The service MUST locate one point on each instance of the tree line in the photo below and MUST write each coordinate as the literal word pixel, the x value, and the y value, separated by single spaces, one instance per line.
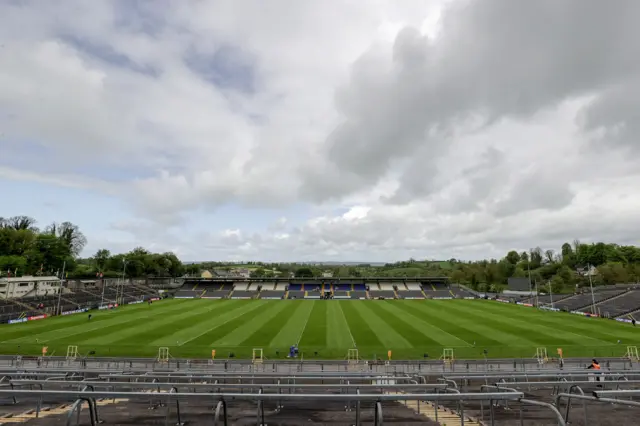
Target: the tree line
pixel 26 249
pixel 558 271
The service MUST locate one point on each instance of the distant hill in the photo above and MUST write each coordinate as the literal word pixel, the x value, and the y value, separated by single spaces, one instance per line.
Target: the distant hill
pixel 330 263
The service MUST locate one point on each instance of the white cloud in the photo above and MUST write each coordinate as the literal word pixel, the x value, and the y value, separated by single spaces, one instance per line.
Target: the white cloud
pixel 380 130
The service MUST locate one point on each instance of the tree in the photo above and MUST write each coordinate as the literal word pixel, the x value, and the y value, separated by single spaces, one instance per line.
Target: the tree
pixel 304 272
pixel 513 257
pixel 101 258
pixel 535 257
pixel 549 256
pixel 20 223
pixel 70 234
pixel 557 284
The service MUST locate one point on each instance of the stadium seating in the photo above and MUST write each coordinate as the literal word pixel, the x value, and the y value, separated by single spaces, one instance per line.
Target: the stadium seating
pixel 583 300
pixel 269 286
pixel 272 294
pixel 413 287
pixel 434 294
pixel 544 299
pixel 341 294
pixel 244 294
pixel 241 286
pixel 71 301
pixel 387 294
pixel 296 294
pixel 295 287
pixel 358 294
pixel 216 294
pixel 182 294
pixel 359 287
pixel 617 306
pixel 386 286
pixel 411 294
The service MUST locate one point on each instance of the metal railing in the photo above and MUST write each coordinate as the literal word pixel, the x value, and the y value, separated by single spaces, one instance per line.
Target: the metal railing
pixel 259 397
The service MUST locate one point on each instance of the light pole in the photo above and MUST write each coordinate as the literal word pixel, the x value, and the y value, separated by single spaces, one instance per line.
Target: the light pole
pixel 529 272
pixel 551 293
pixel 64 265
pixel 102 280
pixel 593 298
pixel 124 268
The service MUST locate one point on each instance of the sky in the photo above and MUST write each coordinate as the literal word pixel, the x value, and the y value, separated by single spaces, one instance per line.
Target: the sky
pixel 341 130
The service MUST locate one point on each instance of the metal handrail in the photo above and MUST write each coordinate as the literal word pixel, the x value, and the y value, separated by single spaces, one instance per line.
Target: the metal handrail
pixel 160 385
pixel 475 396
pixel 552 407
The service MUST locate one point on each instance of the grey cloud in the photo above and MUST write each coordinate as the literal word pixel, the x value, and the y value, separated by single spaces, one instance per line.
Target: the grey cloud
pixel 493 59
pixel 537 190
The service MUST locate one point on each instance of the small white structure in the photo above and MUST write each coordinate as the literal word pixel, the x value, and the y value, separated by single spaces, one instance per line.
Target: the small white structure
pixel 16 287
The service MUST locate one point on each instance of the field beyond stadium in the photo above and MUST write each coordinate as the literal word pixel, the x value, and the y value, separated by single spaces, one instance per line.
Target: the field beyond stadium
pixel 323 329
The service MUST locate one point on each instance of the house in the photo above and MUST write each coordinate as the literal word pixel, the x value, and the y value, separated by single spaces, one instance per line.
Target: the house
pixel 243 272
pixel 327 274
pixel 587 271
pixel 28 286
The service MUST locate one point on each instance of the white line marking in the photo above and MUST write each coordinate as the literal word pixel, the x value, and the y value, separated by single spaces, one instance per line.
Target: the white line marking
pixel 305 324
pixel 221 324
pixel 347 324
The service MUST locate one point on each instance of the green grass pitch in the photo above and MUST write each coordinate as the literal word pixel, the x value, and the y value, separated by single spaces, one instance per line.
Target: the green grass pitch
pixel 324 329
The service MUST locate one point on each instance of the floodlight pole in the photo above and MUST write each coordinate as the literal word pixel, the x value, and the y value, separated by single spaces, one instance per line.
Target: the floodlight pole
pixel 593 298
pixel 537 296
pixel 124 268
pixel 551 293
pixel 64 265
pixel 529 271
pixel 102 301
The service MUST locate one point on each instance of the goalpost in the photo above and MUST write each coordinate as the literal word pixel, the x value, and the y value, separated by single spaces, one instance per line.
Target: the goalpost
pixel 447 356
pixel 353 356
pixel 632 353
pixel 541 355
pixel 163 354
pixel 258 356
pixel 72 353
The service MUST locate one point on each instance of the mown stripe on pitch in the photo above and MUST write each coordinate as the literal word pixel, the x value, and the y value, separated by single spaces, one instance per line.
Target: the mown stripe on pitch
pixel 386 329
pixel 292 330
pixel 108 335
pixel 9 332
pixel 547 334
pixel 14 331
pixel 361 331
pixel 315 333
pixel 506 325
pixel 420 333
pixel 263 334
pixel 227 324
pixel 154 330
pixel 338 332
pixel 446 322
pixel 189 336
pixel 98 326
pixel 246 329
pixel 606 331
pixel 481 331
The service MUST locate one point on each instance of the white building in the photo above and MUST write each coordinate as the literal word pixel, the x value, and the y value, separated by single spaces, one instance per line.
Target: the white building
pixel 15 287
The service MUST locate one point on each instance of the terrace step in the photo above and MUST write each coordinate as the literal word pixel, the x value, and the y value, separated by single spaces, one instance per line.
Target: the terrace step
pixel 436 413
